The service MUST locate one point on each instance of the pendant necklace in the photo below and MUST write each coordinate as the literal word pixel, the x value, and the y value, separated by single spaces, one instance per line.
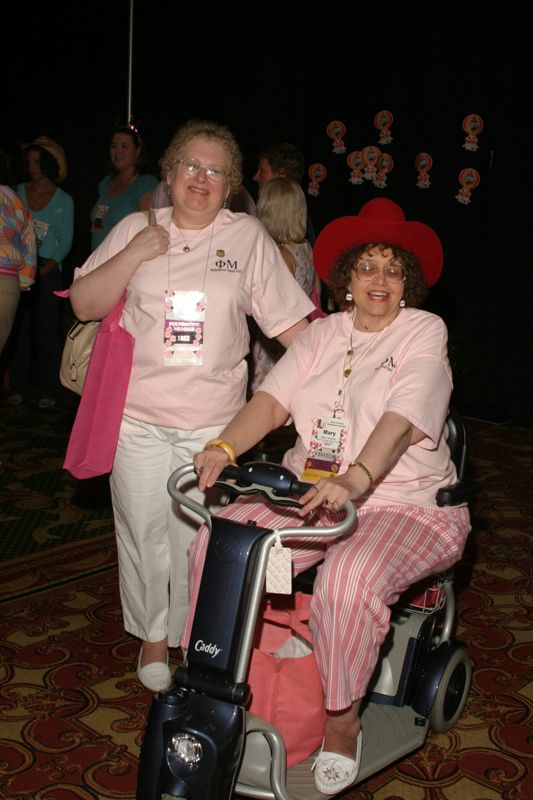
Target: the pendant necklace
pixel 353 357
pixel 187 248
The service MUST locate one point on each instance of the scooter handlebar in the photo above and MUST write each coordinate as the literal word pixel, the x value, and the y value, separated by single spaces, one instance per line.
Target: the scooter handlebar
pixel 281 486
pixel 274 482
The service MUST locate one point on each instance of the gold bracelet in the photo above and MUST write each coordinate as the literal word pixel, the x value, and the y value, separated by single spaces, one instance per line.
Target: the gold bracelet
pixel 222 445
pixel 365 470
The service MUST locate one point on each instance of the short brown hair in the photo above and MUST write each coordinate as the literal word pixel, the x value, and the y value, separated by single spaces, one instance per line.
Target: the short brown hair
pixel 415 289
pixel 285 159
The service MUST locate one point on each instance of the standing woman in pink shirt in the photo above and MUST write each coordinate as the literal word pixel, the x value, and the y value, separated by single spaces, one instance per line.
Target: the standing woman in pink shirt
pixel 368 390
pixel 190 281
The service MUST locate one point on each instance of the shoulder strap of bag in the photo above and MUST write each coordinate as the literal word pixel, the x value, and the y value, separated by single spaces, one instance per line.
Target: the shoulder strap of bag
pixel 112 320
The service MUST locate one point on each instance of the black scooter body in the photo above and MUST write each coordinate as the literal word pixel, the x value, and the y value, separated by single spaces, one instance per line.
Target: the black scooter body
pixel 206 702
pixel 219 728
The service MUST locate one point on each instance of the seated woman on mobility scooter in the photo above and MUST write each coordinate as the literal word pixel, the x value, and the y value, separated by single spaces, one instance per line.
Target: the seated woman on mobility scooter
pixel 368 389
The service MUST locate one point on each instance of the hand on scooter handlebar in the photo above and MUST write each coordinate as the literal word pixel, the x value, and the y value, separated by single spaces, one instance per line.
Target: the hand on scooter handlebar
pixel 332 493
pixel 208 465
pixel 272 481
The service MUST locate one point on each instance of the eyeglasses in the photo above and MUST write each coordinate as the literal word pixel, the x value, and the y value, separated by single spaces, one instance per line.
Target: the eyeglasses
pixel 367 272
pixel 192 167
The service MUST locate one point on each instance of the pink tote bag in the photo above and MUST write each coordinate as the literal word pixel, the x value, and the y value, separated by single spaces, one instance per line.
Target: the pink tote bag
pixel 287 692
pixel 93 440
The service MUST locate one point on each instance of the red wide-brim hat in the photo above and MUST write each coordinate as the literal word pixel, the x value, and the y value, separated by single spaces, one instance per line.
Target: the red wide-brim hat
pixel 380 220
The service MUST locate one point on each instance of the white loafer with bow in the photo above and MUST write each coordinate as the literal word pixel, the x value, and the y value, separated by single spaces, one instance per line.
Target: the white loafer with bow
pixel 334 773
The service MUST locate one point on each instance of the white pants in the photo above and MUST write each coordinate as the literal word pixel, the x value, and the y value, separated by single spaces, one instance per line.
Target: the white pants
pixel 153 535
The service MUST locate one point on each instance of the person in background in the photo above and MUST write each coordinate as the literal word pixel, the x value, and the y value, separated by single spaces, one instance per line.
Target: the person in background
pixel 127 187
pixel 280 160
pixel 369 391
pixel 18 250
pixel 36 324
pixel 190 281
pixel 282 209
pixel 283 160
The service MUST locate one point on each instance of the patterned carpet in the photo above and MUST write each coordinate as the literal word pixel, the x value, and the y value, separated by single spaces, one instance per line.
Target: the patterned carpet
pixel 72 712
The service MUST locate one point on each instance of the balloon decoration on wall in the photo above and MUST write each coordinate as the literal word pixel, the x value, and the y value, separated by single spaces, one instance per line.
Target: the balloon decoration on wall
pixel 472 125
pixel 423 163
pixel 382 121
pixel 336 130
pixel 469 179
pixel 317 173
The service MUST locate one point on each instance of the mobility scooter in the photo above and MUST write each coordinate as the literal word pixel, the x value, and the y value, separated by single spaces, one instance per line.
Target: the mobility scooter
pixel 200 743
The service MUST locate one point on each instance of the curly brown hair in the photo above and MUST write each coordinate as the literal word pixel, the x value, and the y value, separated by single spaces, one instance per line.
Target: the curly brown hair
pixel 207 130
pixel 415 289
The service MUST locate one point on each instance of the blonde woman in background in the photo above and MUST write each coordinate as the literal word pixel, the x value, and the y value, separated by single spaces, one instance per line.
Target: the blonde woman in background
pixel 282 209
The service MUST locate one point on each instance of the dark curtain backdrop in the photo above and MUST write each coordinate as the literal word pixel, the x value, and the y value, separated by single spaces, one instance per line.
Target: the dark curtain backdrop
pixel 283 71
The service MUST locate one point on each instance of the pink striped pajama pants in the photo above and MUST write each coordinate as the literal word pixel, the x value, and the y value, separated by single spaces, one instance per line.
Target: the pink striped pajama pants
pixel 391 548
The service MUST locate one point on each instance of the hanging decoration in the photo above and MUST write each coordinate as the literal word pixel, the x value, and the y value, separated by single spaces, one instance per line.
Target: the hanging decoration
pixel 355 162
pixel 423 163
pixel 385 165
pixel 370 156
pixel 472 126
pixel 317 173
pixel 382 121
pixel 469 179
pixel 336 131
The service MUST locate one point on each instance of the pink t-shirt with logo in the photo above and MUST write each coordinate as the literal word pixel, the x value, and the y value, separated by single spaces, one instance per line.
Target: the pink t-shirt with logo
pixel 405 370
pixel 239 267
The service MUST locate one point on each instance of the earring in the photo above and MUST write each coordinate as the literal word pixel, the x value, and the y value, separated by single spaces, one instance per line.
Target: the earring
pixel 402 303
pixel 349 296
pixel 169 193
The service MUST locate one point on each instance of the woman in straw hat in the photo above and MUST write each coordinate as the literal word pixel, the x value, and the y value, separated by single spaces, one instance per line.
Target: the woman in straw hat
pixel 368 389
pixel 53 223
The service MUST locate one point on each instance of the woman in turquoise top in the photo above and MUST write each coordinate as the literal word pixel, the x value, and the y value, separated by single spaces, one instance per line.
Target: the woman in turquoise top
pixel 126 189
pixel 36 326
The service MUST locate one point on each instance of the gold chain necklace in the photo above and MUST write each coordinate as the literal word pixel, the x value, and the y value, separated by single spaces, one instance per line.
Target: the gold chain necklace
pixel 352 358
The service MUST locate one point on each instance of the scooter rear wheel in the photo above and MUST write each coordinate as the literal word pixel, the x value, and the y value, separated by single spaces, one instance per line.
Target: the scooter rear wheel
pixel 452 692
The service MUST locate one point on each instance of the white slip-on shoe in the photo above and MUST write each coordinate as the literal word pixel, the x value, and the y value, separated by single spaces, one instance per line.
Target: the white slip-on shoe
pixel 334 773
pixel 155 676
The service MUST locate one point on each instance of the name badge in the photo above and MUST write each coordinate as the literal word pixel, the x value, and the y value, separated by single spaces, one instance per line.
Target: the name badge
pixel 40 229
pixel 326 448
pixel 183 336
pixel 99 217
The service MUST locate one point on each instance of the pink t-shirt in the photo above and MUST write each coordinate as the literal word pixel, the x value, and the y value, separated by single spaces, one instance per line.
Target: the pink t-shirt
pixel 405 370
pixel 239 267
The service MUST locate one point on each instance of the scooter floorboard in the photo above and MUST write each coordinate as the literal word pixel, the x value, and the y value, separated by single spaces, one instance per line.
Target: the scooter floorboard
pixel 389 733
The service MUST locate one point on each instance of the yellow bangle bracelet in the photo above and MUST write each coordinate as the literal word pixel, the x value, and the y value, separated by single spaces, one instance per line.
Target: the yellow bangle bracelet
pixel 222 445
pixel 365 470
